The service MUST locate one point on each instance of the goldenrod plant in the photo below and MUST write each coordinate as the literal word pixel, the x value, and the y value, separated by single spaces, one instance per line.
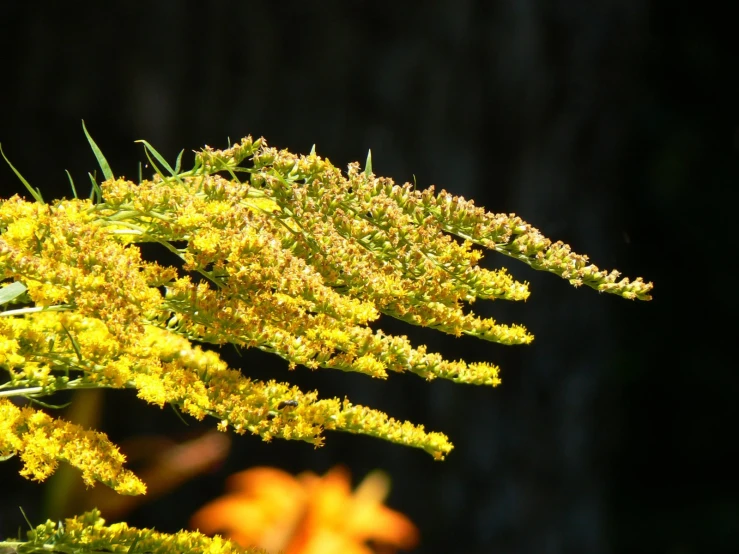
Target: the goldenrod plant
pixel 88 533
pixel 281 252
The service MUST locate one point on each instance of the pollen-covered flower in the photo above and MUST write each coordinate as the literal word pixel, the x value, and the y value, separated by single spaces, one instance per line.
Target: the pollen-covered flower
pixel 42 442
pixel 280 252
pixel 89 533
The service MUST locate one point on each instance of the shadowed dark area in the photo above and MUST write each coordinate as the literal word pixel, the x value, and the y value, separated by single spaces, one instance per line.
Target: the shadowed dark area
pixel 612 126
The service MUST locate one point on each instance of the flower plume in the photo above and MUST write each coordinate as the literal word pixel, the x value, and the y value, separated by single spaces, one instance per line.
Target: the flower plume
pixel 281 252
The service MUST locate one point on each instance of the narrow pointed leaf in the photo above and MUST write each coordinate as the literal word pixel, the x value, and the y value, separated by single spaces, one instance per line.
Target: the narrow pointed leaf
pixel 102 162
pixel 11 292
pixel 178 163
pixel 34 192
pixel 71 183
pixel 96 192
pixel 151 150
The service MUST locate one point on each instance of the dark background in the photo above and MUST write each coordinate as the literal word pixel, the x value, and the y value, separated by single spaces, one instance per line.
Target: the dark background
pixel 610 125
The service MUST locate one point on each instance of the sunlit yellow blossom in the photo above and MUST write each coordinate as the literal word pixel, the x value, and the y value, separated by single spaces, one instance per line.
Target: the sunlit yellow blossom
pixel 279 252
pixel 42 442
pixel 89 533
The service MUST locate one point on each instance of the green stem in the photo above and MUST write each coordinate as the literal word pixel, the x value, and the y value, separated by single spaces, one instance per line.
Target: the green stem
pixel 35 309
pixel 72 385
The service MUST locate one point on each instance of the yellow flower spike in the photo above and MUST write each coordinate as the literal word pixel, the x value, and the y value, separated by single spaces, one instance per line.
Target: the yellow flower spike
pixel 42 442
pixel 88 532
pixel 287 254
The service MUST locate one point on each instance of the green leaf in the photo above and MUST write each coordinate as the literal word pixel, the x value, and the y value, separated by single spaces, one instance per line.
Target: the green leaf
pixel 46 404
pixel 74 342
pixel 96 191
pixel 98 154
pixel 178 163
pixel 150 149
pixel 179 415
pixel 36 193
pixel 11 292
pixel 26 518
pixel 155 166
pixel 368 164
pixel 71 183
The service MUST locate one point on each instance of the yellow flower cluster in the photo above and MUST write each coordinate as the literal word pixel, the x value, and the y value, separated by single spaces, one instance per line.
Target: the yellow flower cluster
pixel 42 442
pixel 402 218
pixel 166 368
pixel 88 533
pixel 297 260
pixel 65 258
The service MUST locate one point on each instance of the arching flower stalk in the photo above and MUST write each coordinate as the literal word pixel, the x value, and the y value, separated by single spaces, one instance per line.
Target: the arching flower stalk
pixel 279 252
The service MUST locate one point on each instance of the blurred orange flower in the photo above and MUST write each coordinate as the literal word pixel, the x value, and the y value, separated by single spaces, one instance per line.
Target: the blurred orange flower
pixel 308 514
